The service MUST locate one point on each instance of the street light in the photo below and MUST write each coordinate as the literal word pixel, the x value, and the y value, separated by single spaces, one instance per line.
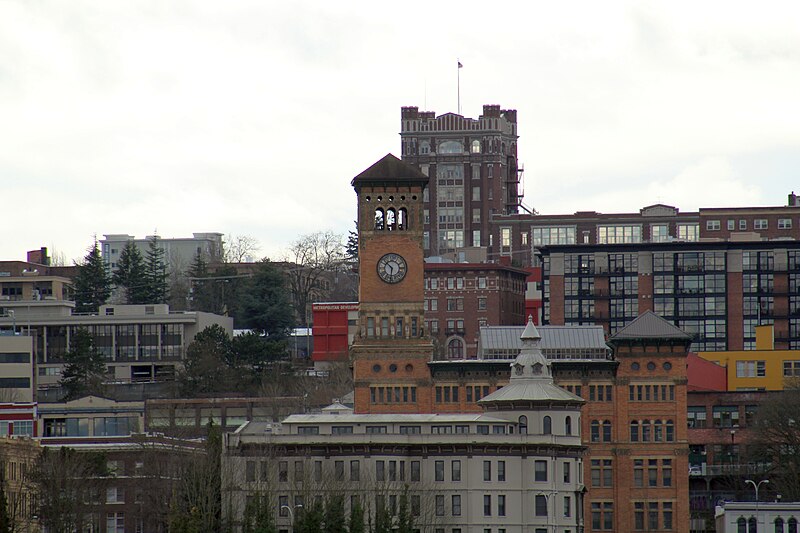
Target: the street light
pixel 547 505
pixel 291 513
pixel 756 487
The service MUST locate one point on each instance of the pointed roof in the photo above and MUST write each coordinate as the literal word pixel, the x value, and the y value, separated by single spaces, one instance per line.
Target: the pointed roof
pixel 531 376
pixel 390 169
pixel 649 325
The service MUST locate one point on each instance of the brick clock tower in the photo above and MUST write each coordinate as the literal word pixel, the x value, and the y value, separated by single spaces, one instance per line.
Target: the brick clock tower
pixel 391 351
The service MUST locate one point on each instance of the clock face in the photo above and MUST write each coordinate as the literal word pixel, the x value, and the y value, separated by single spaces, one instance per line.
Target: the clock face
pixel 392 268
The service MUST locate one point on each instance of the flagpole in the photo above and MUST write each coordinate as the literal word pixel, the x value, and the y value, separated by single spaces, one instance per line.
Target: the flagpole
pixel 458 83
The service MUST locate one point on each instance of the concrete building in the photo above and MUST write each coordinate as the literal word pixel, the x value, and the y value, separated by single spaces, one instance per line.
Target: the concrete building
pixel 90 416
pixel 179 253
pixel 474 173
pixel 718 292
pixel 141 342
pixel 514 468
pixel 739 516
pixel 16 368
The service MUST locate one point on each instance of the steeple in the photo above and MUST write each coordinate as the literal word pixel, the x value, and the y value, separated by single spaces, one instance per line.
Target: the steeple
pixel 531 362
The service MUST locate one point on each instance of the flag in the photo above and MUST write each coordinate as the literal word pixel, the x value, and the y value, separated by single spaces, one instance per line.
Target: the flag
pixel 460 65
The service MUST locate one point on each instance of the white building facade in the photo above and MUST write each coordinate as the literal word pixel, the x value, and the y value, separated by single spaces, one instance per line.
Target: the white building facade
pixel 515 468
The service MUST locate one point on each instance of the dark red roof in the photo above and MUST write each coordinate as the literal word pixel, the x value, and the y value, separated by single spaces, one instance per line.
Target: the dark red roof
pixel 390 169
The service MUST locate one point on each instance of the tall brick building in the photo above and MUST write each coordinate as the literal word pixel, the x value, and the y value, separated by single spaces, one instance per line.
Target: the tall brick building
pixel 473 168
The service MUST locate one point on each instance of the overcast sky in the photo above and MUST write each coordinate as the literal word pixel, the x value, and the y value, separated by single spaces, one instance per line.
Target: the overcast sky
pixel 251 117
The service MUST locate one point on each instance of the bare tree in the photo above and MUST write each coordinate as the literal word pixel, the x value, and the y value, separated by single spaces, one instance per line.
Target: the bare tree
pixel 311 257
pixel 239 248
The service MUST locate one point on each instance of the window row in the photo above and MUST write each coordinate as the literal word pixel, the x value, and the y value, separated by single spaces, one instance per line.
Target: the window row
pixel 652 516
pixel 652 431
pixel 651 393
pixel 393 394
pixel 657 475
pixel 397 327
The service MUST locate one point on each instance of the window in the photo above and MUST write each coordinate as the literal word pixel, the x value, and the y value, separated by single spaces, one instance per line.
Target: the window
pixel 540 505
pixel 602 515
pixel 566 472
pixel 540 470
pixel 455 503
pixel 601 472
pixel 439 499
pixel 697 416
pixel 725 416
pixel 338 470
pixel 659 232
pixel 689 231
pixel 487 505
pixel 455 470
pixel 476 194
pixel 501 505
pixel 760 223
pixel 547 425
pixel 501 470
pixel 618 234
pixel 567 506
pixel 439 471
pixel 487 470
pixel 505 237
pixel 283 471
pixel 784 223
pixel 415 471
pixel 355 471
pixel 380 470
pixel 115 523
pixel 547 235
pixel 751 369
pixel 742 224
pixel 712 225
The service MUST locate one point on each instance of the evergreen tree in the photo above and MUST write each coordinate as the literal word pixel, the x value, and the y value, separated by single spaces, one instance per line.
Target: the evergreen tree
pixel 156 276
pixel 309 520
pixel 356 522
pixel 130 274
pixel 92 282
pixel 258 517
pixel 264 305
pixel 334 515
pixel 351 246
pixel 405 519
pixel 208 363
pixel 84 369
pixel 202 290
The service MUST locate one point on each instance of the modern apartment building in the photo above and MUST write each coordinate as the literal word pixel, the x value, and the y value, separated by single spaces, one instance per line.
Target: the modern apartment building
pixel 179 252
pixel 473 169
pixel 717 291
pixel 514 468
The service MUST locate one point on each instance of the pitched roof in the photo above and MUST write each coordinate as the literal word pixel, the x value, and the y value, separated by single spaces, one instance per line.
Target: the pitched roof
pixel 580 341
pixel 390 169
pixel 649 325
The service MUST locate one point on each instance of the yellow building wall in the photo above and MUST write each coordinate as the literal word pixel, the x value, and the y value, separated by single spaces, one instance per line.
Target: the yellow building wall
pixel 773 360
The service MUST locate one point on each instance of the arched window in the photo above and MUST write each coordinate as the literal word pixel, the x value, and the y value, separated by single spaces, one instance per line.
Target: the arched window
pixel 523 425
pixel 476 147
pixel 779 525
pixel 391 219
pixel 547 425
pixel 595 431
pixel 568 426
pixel 658 431
pixel 379 219
pixel 741 525
pixel 645 431
pixel 792 525
pixel 455 349
pixel 635 431
pixel 752 525
pixel 607 431
pixel 402 219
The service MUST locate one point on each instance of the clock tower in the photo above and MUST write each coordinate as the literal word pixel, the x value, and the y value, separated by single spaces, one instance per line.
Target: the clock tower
pixel 391 351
